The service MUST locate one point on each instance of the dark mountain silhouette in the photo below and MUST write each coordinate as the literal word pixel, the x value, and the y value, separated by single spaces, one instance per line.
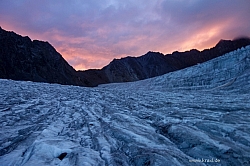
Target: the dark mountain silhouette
pixel 23 59
pixel 154 64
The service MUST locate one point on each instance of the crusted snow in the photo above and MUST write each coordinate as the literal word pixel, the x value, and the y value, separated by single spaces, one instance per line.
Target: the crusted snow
pixel 181 118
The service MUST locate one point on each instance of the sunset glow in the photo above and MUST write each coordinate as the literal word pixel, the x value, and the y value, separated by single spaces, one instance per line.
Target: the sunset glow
pixel 90 34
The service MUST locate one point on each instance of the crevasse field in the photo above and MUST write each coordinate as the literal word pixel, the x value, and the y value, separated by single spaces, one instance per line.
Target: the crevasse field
pixel 196 116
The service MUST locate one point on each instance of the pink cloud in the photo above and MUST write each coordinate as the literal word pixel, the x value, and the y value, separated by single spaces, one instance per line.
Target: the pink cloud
pixel 89 34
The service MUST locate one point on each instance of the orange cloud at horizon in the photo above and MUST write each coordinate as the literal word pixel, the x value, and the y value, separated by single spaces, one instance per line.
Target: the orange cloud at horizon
pixel 82 59
pixel 205 38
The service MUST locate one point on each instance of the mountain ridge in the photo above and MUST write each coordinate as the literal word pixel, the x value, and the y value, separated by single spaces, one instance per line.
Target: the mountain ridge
pixel 230 72
pixel 23 59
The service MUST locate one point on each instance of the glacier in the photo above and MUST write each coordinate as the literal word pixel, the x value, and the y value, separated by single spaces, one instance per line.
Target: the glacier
pixel 196 116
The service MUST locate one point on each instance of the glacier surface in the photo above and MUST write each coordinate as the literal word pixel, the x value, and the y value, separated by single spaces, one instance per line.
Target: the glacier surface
pixel 196 116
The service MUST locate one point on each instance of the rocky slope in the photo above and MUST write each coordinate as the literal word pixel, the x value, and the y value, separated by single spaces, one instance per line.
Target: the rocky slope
pixel 230 71
pixel 23 59
pixel 154 64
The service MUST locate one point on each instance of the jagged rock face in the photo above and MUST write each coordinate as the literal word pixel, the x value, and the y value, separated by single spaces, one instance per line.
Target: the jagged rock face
pixel 138 68
pixel 23 59
pixel 133 69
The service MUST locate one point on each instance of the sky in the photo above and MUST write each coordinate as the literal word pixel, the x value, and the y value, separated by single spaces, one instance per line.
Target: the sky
pixel 91 33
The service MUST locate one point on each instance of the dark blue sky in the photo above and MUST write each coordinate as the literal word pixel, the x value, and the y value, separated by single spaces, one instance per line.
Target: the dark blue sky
pixel 90 33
